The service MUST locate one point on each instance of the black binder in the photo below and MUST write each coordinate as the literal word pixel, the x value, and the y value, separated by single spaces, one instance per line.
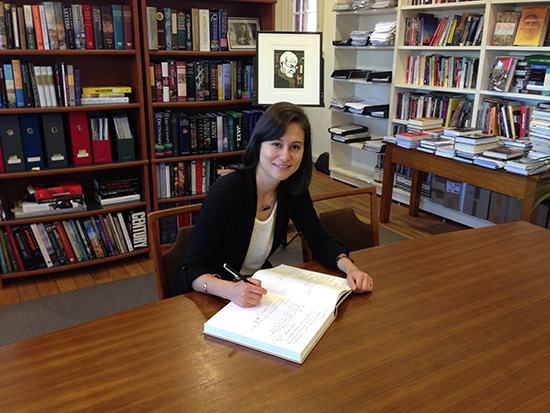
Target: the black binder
pixel 12 145
pixel 54 140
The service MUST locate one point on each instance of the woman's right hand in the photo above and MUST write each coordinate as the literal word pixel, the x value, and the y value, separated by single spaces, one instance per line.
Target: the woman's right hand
pixel 246 294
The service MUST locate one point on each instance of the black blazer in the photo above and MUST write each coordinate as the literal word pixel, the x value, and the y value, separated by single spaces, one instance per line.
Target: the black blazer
pixel 223 230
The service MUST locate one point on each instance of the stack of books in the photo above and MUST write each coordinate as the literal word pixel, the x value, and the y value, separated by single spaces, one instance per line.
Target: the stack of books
pixel 110 189
pixel 411 140
pixel 496 158
pixel 539 133
pixel 467 146
pixel 433 142
pixel 424 123
pixel 50 199
pixel 349 133
pixel 527 165
pixel 105 95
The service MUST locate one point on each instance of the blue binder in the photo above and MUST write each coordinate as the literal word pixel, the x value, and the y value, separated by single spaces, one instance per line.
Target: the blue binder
pixel 32 142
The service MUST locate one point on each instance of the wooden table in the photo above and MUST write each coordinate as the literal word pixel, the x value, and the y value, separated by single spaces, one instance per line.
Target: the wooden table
pixel 457 322
pixel 496 180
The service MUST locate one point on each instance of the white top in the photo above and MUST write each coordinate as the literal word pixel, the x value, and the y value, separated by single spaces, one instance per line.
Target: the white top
pixel 260 244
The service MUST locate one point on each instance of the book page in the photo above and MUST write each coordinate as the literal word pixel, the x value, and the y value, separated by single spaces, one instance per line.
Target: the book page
pixel 303 285
pixel 279 326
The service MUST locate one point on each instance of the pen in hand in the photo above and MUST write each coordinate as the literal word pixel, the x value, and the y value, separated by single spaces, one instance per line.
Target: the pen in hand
pixel 236 274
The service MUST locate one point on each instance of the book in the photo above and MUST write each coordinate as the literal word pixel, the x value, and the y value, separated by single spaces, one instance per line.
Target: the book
pixel 292 317
pixel 504 152
pixel 532 26
pixel 503 73
pixel 505 28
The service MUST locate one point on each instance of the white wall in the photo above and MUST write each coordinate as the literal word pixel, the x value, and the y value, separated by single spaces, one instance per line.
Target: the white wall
pixel 320 118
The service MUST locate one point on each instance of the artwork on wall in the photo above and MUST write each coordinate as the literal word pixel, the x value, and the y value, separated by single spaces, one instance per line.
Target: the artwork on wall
pixel 289 68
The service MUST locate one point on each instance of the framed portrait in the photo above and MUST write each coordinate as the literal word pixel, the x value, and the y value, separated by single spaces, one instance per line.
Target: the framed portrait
pixel 289 67
pixel 242 33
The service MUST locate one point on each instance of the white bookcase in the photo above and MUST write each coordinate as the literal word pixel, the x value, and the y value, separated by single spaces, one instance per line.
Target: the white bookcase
pixel 347 162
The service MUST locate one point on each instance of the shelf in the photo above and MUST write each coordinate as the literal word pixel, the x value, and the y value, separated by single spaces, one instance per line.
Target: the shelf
pixel 365 48
pixel 361 82
pixel 431 49
pixel 515 96
pixel 457 5
pixel 436 88
pixel 368 12
pixel 197 156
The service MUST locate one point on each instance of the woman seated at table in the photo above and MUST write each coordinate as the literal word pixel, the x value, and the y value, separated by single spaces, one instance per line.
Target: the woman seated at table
pixel 245 215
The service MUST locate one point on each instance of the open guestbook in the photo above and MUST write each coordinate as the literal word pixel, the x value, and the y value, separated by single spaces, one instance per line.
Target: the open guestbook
pixel 299 307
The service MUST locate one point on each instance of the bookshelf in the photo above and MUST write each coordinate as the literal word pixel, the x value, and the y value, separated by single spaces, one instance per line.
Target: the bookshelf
pixel 162 166
pixel 98 67
pixel 351 166
pixel 349 162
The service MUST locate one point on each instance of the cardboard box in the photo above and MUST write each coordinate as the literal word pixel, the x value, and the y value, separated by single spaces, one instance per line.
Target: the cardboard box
pixel 514 209
pixel 497 208
pixel 451 198
pixel 438 189
pixel 476 201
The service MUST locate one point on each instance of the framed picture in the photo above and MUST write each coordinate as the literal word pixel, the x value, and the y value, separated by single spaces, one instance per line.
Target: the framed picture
pixel 242 33
pixel 289 68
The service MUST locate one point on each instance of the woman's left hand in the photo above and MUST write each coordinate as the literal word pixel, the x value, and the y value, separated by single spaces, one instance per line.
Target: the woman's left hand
pixel 359 281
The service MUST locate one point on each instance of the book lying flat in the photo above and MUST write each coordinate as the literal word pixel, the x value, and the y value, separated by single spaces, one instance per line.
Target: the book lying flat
pixel 297 310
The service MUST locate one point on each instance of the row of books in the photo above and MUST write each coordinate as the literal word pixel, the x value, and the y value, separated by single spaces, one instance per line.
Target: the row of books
pixel 195 81
pixel 112 189
pixel 196 29
pixel 180 134
pixel 55 26
pixel 539 135
pixel 529 74
pixel 504 117
pixel 455 109
pixel 428 2
pixel 24 85
pixel 46 245
pixel 527 27
pixel 456 30
pixel 445 71
pixel 185 178
pixel 33 141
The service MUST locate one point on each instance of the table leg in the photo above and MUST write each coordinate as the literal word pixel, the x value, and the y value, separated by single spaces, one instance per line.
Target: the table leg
pixel 387 186
pixel 416 190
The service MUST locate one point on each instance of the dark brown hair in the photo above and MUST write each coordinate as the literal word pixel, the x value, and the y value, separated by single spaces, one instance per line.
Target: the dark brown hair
pixel 272 125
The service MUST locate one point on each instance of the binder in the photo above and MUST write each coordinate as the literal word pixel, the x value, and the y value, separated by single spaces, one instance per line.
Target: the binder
pixel 79 138
pixel 32 142
pixel 12 146
pixel 54 140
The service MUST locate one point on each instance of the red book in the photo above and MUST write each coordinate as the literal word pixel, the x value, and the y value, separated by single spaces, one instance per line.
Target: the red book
pixel 65 242
pixel 15 249
pixel 158 82
pixel 88 26
pixel 198 175
pixel 54 190
pixel 128 30
pixel 523 121
pixel 1 160
pixel 79 138
pixel 37 27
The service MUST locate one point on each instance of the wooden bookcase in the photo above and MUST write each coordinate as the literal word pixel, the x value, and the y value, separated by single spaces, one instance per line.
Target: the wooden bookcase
pixel 98 68
pixel 264 10
pixel 354 167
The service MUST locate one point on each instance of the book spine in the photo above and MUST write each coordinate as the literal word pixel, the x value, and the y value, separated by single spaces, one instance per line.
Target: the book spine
pixel 41 246
pixel 94 238
pixel 84 237
pixel 125 231
pixel 64 239
pixel 32 246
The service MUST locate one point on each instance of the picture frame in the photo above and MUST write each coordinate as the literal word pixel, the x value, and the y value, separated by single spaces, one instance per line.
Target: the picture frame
pixel 289 67
pixel 242 33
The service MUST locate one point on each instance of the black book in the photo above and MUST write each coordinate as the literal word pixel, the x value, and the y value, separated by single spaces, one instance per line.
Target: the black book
pixel 213 132
pixel 98 27
pixel 27 86
pixel 56 244
pixel 3 91
pixel 191 89
pixel 69 27
pixel 245 124
pixel 193 134
pixel 32 245
pixel 184 134
pixel 26 257
pixel 108 28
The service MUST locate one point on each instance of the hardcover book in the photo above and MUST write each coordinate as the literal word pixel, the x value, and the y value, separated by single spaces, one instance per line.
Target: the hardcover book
pixel 503 73
pixel 532 26
pixel 505 28
pixel 292 317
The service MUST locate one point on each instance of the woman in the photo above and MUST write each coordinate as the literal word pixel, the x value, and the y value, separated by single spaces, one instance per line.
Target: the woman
pixel 245 216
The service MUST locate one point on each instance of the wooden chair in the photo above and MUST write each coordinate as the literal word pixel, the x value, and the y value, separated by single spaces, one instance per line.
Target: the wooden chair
pixel 167 259
pixel 343 224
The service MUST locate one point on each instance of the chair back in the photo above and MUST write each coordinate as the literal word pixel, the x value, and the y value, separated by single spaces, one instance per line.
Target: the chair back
pixel 168 258
pixel 343 224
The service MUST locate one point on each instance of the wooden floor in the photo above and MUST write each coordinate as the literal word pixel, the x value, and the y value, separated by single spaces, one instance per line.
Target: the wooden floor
pixel 28 288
